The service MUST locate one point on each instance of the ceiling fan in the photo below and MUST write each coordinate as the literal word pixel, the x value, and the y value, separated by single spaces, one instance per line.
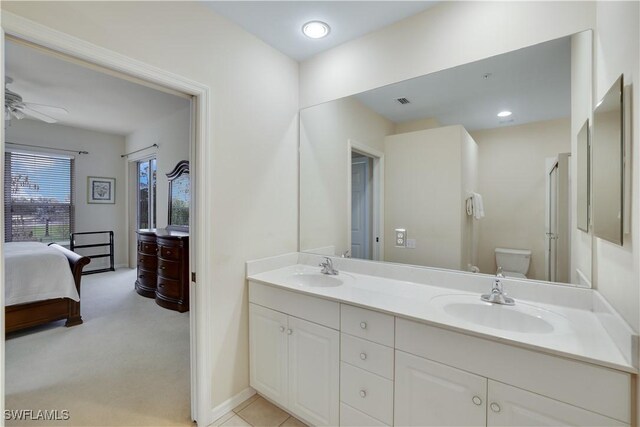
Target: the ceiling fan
pixel 15 107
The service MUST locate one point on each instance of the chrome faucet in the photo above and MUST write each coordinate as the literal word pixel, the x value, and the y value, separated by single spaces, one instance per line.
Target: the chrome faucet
pixel 498 295
pixel 327 267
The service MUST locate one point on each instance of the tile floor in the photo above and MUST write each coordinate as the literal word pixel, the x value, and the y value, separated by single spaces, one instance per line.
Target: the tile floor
pixel 257 412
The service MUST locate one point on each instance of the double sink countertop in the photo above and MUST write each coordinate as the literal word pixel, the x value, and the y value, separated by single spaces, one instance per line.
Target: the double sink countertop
pixel 560 330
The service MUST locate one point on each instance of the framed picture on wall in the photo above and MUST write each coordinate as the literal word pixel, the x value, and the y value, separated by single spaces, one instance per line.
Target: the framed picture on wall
pixel 101 190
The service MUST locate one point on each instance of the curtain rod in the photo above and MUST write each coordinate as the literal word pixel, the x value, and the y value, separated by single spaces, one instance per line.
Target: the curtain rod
pixel 137 151
pixel 47 148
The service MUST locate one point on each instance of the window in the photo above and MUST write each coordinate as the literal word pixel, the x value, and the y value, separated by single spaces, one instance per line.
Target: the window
pixel 146 193
pixel 38 197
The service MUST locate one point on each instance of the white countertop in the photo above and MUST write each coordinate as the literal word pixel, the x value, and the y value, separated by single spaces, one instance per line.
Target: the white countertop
pixel 578 333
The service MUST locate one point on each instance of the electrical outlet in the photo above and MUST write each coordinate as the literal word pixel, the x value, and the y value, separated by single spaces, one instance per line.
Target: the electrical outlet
pixel 401 237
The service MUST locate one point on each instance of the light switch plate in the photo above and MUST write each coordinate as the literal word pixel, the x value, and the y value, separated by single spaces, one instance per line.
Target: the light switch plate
pixel 401 237
pixel 411 243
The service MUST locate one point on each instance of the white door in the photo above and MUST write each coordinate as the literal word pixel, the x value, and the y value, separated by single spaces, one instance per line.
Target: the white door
pixel 511 406
pixel 360 207
pixel 314 372
pixel 432 394
pixel 268 352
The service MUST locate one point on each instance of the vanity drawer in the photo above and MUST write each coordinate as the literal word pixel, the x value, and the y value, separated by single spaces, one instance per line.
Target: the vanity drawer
pixel 367 324
pixel 367 392
pixel 367 355
pixel 350 417
pixel 316 310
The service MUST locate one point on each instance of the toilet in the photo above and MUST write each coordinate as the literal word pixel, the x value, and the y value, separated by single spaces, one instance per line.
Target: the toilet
pixel 514 262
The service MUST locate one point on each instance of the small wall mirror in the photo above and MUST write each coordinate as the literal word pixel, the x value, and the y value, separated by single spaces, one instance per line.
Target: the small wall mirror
pixel 179 196
pixel 583 173
pixel 607 150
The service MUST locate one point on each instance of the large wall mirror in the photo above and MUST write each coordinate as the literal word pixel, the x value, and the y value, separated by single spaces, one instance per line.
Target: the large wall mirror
pixel 469 168
pixel 179 196
pixel 608 161
pixel 583 177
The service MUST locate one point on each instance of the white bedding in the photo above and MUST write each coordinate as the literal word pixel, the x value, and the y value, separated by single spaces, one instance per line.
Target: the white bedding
pixel 36 272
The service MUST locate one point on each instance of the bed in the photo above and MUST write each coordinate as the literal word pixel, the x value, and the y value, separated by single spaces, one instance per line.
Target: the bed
pixel 42 284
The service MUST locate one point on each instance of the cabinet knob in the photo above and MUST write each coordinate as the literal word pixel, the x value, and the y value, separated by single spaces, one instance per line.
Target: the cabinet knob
pixel 477 400
pixel 495 407
pixel 363 356
pixel 363 325
pixel 281 328
pixel 363 393
pixel 289 331
pixel 168 252
pixel 162 267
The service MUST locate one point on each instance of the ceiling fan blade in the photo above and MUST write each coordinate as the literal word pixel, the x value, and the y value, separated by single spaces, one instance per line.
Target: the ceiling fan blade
pixel 36 115
pixel 17 114
pixel 46 109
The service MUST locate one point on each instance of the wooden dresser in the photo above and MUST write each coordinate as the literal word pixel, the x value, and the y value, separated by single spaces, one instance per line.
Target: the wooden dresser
pixel 163 267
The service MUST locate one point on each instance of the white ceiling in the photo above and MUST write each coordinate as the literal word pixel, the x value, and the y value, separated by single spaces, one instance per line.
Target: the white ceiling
pixel 95 100
pixel 279 23
pixel 534 83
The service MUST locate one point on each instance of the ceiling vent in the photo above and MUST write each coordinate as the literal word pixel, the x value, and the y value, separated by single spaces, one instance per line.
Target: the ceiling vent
pixel 403 101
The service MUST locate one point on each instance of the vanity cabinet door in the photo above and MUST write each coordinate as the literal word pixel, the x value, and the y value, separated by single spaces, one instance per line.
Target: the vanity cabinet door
pixel 428 393
pixel 314 372
pixel 510 406
pixel 268 352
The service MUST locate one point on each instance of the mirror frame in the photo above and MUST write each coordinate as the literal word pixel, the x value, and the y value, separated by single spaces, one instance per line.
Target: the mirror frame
pixel 584 138
pixel 180 169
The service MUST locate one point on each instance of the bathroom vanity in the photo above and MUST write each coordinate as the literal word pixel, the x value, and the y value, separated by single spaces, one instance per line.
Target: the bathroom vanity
pixel 396 345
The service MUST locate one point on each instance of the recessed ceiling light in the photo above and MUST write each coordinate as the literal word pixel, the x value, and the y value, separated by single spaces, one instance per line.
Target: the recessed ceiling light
pixel 504 113
pixel 316 29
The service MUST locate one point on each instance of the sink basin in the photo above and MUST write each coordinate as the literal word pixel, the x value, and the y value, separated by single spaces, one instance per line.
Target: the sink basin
pixel 316 280
pixel 523 318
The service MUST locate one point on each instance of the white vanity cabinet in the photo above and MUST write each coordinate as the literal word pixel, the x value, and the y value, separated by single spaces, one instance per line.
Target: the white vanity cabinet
pixel 295 362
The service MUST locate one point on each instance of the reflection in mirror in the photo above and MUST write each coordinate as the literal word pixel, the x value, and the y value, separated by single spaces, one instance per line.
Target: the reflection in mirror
pixel 179 196
pixel 466 169
pixel 582 175
pixel 607 148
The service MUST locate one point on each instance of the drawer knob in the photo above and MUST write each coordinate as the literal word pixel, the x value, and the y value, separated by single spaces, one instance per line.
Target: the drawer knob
pixel 363 393
pixel 160 285
pixel 363 356
pixel 363 325
pixel 477 400
pixel 281 328
pixel 162 267
pixel 289 331
pixel 168 252
pixel 495 407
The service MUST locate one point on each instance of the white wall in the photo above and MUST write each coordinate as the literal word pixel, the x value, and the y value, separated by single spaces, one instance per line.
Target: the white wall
pixel 423 194
pixel 443 36
pixel 325 131
pixel 617 269
pixel 254 138
pixel 512 181
pixel 172 134
pixel 414 125
pixel 103 160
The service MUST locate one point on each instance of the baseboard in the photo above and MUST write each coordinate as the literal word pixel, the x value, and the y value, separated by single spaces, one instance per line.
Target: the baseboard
pixel 231 403
pixel 117 266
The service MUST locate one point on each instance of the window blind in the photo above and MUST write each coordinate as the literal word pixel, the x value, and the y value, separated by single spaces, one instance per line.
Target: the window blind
pixel 38 197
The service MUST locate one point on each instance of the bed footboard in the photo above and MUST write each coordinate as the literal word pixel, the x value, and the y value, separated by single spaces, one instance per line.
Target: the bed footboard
pixel 76 263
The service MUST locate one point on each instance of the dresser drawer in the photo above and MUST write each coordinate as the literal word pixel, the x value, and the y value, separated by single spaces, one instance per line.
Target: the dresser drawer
pixel 367 392
pixel 367 355
pixel 169 269
pixel 350 417
pixel 169 288
pixel 147 278
pixel 367 324
pixel 147 247
pixel 147 262
pixel 169 252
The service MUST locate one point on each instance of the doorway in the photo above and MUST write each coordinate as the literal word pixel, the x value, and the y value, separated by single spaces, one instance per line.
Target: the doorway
pixel 557 233
pixel 149 76
pixel 365 200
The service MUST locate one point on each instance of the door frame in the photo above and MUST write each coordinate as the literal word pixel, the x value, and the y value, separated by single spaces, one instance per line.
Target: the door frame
pixel 377 195
pixel 551 163
pixel 201 153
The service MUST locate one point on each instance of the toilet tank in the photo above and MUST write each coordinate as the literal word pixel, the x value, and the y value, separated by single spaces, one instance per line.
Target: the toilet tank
pixel 514 260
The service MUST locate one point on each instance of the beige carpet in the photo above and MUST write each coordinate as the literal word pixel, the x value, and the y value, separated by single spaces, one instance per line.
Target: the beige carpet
pixel 128 364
